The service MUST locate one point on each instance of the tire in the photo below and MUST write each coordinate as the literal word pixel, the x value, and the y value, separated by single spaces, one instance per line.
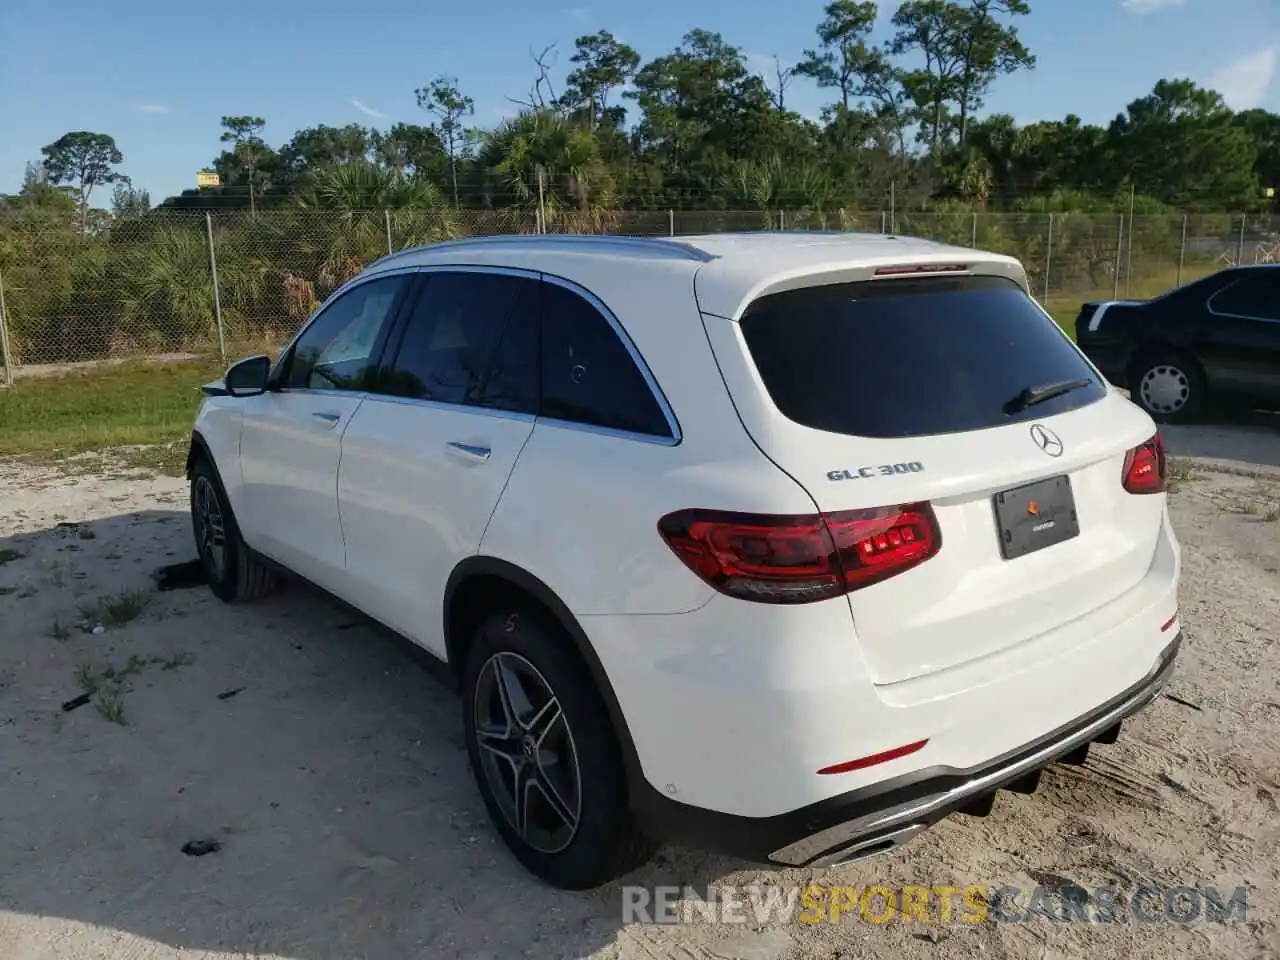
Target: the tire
pixel 576 831
pixel 231 569
pixel 1169 385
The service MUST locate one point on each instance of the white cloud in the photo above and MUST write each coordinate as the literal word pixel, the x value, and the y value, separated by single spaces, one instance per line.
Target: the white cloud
pixel 1244 82
pixel 365 109
pixel 1143 7
pixel 154 108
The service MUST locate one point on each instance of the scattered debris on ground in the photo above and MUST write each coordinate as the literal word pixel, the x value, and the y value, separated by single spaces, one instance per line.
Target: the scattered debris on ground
pixel 358 832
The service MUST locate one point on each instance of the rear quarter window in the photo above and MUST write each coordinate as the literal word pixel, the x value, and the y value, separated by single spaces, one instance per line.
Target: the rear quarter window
pixel 911 357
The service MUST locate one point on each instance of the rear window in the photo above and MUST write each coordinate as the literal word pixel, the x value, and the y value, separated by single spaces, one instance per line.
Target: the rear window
pixel 909 358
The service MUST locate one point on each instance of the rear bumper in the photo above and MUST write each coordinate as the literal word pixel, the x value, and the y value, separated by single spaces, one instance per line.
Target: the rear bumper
pixel 886 814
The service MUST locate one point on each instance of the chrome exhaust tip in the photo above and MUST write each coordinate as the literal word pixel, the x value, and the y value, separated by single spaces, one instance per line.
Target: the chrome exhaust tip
pixel 868 848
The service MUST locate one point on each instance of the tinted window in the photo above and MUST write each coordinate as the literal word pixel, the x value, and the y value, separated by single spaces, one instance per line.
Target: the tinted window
pixel 906 358
pixel 336 350
pixel 588 375
pixel 1256 294
pixel 471 338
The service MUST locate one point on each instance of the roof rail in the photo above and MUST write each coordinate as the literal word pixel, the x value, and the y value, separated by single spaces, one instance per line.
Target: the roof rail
pixel 642 246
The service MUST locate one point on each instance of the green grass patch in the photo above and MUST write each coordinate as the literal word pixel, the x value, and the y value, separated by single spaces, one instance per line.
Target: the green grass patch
pixel 134 404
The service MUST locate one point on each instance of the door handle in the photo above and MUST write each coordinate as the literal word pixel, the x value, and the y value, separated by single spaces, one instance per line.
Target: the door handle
pixel 469 450
pixel 329 418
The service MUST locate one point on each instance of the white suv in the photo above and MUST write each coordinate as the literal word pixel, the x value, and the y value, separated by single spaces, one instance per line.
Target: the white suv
pixel 784 545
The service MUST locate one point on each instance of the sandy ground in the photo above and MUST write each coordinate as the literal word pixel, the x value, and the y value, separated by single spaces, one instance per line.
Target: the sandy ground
pixel 330 769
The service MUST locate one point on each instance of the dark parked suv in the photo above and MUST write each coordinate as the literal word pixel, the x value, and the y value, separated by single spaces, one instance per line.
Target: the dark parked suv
pixel 1217 336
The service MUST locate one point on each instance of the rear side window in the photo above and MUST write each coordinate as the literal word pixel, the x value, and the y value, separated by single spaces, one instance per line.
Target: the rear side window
pixel 909 358
pixel 588 375
pixel 1255 295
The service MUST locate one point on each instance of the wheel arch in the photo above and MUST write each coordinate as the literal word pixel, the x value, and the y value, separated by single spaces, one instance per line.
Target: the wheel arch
pixel 1156 346
pixel 198 448
pixel 481 577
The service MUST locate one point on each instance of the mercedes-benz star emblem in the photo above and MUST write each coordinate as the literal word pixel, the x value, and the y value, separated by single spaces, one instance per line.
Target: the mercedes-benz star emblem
pixel 1046 440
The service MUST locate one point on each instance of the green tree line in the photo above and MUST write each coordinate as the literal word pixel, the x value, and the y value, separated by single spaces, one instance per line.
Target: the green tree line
pixel 694 130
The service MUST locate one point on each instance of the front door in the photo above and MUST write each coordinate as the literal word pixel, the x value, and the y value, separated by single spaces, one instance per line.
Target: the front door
pixel 290 436
pixel 428 454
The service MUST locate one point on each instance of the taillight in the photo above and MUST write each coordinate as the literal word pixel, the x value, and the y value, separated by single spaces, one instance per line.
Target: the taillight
pixel 801 559
pixel 910 268
pixel 1144 468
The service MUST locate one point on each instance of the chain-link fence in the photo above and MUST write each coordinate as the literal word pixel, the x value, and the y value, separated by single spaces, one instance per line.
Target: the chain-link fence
pixel 222 284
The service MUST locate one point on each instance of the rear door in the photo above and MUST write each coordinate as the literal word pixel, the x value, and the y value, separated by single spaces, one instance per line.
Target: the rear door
pixel 1236 334
pixel 427 455
pixel 897 391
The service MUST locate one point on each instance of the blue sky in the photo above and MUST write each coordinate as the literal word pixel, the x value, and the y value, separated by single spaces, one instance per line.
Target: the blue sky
pixel 158 74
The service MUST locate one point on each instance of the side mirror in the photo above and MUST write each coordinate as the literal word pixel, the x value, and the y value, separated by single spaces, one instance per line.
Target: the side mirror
pixel 248 378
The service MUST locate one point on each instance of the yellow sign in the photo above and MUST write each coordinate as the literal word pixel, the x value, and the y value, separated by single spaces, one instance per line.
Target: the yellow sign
pixel 207 178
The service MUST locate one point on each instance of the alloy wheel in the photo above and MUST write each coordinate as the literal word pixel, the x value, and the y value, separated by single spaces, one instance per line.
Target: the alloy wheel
pixel 527 752
pixel 211 532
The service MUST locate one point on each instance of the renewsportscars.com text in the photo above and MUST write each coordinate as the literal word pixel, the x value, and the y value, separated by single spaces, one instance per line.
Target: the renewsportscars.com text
pixel 816 903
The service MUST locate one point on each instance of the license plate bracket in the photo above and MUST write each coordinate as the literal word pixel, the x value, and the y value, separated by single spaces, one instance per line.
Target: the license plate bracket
pixel 1035 515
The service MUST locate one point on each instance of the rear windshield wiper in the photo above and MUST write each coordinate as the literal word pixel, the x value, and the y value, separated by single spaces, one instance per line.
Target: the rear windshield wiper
pixel 1030 396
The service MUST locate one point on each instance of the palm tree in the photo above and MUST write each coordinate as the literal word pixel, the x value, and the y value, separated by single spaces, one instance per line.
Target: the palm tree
pixel 804 190
pixel 546 162
pixel 168 297
pixel 360 211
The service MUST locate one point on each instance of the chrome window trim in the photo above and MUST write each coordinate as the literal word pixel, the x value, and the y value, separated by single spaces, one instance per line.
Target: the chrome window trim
pixel 671 439
pixel 317 392
pixel 357 281
pixel 446 407
pixel 650 438
pixel 674 435
pixel 1208 305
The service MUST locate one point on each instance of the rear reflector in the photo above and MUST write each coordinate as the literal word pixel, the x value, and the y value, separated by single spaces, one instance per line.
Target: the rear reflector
pixel 801 559
pixel 1145 468
pixel 909 268
pixel 863 762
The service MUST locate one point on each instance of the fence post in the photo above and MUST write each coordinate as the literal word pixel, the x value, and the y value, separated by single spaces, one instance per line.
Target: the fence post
pixel 542 203
pixel 671 223
pixel 1240 244
pixel 386 216
pixel 782 219
pixel 1048 259
pixel 6 359
pixel 884 222
pixel 973 232
pixel 1128 257
pixel 217 302
pixel 1182 249
pixel 1115 292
